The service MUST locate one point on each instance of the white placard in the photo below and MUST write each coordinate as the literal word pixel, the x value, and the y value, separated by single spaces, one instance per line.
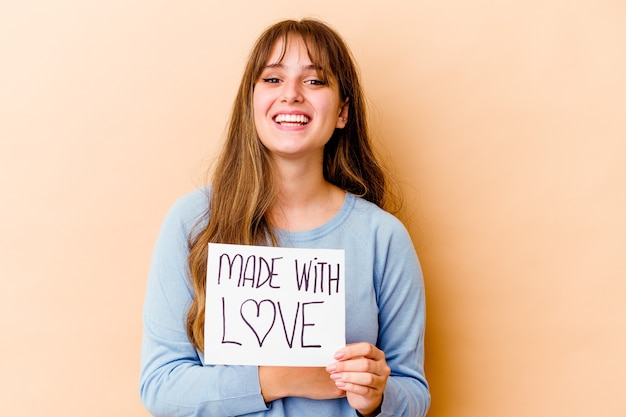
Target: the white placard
pixel 274 306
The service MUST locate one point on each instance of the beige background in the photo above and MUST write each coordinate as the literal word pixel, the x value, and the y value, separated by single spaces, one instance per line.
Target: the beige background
pixel 505 122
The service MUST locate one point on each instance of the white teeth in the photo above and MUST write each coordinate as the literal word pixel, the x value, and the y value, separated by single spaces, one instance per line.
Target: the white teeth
pixel 291 118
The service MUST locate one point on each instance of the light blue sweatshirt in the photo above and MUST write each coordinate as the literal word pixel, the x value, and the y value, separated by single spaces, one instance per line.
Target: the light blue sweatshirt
pixel 384 306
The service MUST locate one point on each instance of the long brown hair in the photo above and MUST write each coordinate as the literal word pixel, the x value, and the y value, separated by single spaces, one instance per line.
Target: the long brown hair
pixel 243 184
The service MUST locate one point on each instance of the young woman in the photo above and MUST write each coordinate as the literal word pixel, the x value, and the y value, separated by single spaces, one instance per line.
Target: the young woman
pixel 297 170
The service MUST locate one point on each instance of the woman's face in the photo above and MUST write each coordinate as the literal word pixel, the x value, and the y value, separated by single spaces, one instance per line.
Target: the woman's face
pixel 295 112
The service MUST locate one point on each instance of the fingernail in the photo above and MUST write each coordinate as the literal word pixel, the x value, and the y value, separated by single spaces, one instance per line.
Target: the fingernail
pixel 335 376
pixel 339 355
pixel 331 368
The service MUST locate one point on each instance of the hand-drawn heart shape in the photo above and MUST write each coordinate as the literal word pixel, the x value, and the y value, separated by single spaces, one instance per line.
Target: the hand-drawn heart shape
pixel 257 321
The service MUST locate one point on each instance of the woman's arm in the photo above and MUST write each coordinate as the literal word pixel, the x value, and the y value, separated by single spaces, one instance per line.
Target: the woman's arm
pixel 309 382
pixel 402 322
pixel 390 374
pixel 173 380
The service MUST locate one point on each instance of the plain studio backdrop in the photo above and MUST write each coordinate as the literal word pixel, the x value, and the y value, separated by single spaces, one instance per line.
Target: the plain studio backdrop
pixel 504 122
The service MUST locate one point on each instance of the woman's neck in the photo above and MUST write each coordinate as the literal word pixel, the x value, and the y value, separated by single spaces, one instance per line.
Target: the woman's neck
pixel 305 199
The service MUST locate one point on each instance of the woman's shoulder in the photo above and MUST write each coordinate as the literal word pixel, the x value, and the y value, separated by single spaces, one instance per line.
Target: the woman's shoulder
pixel 198 198
pixel 367 220
pixel 189 208
pixel 373 214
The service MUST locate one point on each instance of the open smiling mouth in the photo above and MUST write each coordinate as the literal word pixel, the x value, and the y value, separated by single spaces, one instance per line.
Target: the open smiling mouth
pixel 291 119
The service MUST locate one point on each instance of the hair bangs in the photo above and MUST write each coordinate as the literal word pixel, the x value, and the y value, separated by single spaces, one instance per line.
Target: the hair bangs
pixel 321 47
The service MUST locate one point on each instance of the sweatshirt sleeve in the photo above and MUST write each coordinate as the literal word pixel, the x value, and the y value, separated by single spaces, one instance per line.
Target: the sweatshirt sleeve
pixel 173 380
pixel 402 314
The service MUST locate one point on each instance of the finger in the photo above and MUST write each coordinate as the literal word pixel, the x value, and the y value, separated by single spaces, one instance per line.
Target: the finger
pixel 356 350
pixel 357 389
pixel 359 382
pixel 360 365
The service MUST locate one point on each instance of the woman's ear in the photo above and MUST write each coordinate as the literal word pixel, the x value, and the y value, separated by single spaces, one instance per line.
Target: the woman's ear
pixel 342 119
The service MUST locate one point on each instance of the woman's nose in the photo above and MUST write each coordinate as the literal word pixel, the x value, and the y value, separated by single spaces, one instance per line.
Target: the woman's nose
pixel 292 92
